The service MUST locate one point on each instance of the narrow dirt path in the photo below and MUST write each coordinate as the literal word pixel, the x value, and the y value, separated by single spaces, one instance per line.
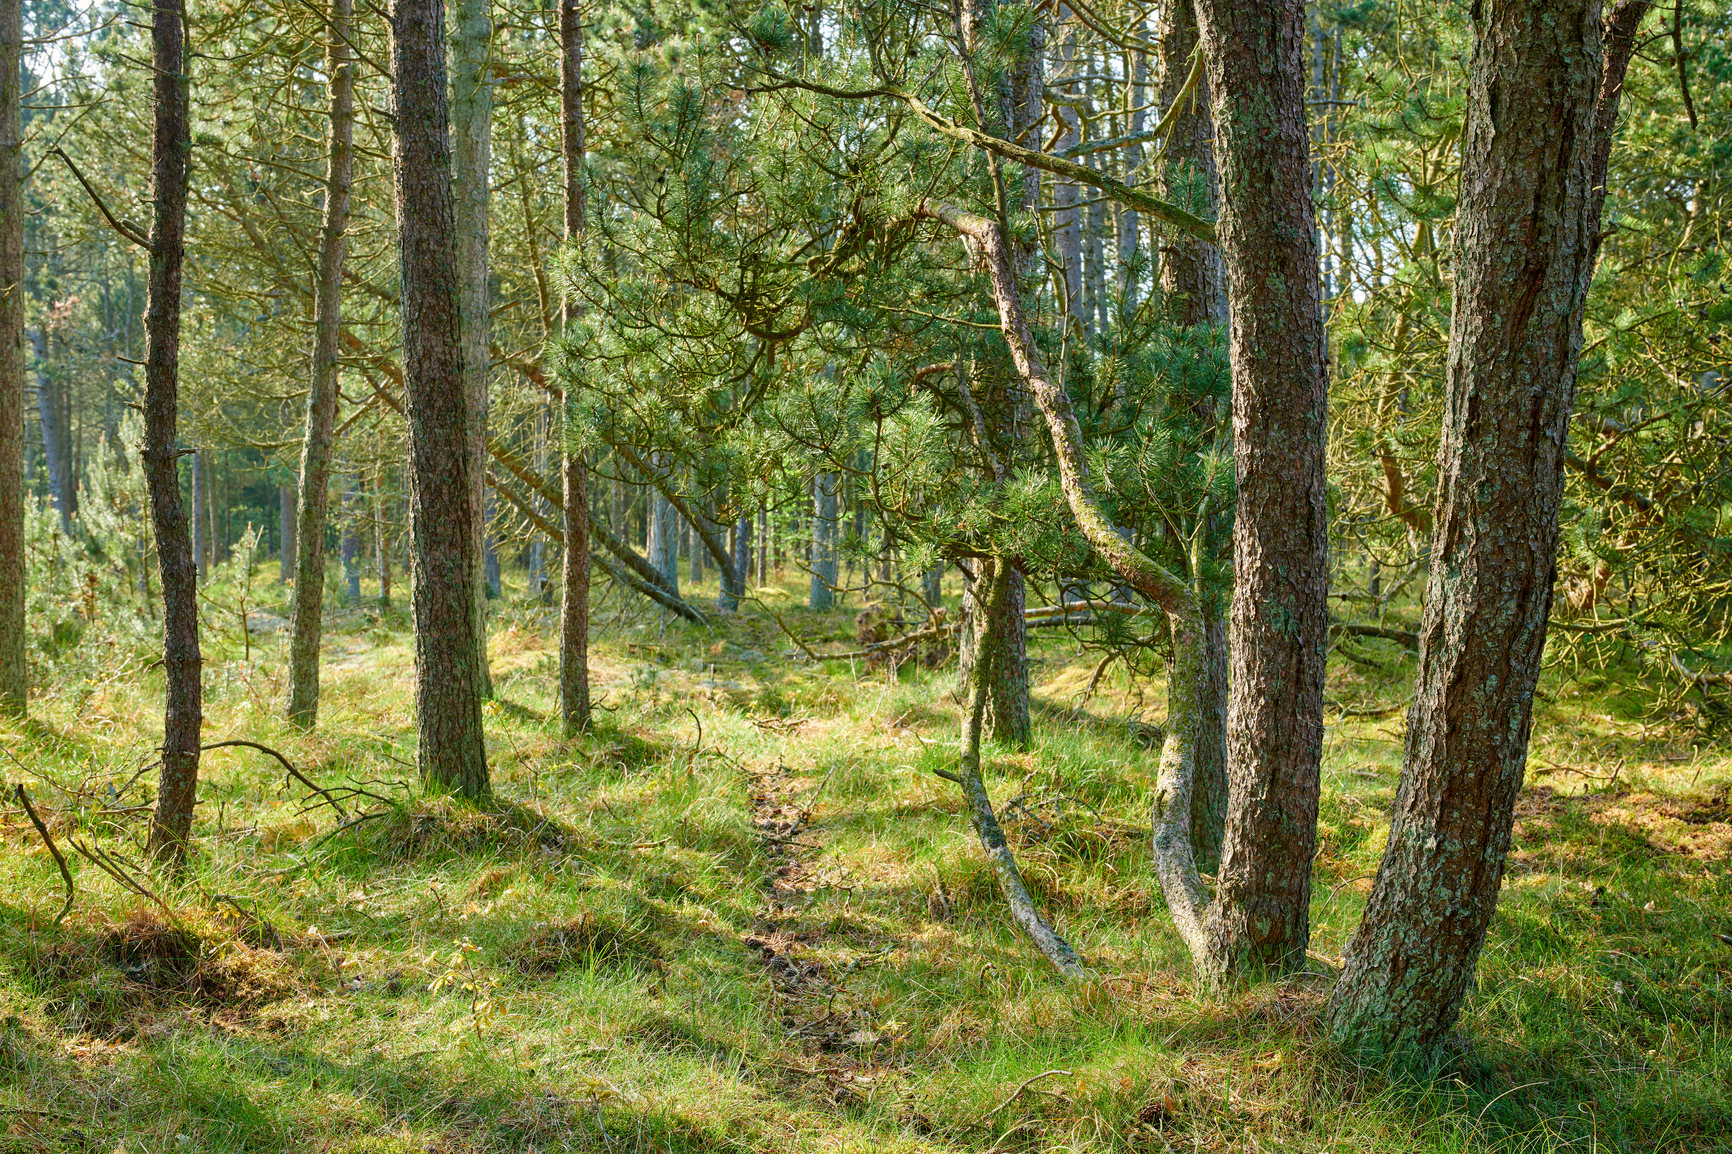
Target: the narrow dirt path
pixel 832 1030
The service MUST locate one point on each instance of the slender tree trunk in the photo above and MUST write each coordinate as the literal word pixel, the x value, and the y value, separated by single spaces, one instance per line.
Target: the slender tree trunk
pixel 471 163
pixel 183 718
pixel 349 545
pixel 14 667
pixel 1543 94
pixel 382 542
pixel 306 611
pixel 200 514
pixel 1254 51
pixel 574 703
pixel 1191 276
pixel 286 531
pixel 826 488
pixel 55 449
pixel 993 584
pixel 448 677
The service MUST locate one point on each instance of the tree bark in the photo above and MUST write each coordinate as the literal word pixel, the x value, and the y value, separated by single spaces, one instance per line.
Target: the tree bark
pixel 1543 93
pixel 306 611
pixel 1253 50
pixel 449 680
pixel 825 489
pixel 56 444
pixel 14 666
pixel 471 161
pixel 1192 278
pixel 183 718
pixel 574 704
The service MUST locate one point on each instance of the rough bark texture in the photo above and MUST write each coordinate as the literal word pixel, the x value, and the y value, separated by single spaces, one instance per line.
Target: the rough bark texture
pixel 574 705
pixel 1253 50
pixel 14 669
pixel 471 157
pixel 448 676
pixel 314 489
pixel 1007 717
pixel 1192 277
pixel 183 717
pixel 1542 103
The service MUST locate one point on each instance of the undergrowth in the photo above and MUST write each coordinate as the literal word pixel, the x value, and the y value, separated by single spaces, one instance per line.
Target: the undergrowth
pixel 745 915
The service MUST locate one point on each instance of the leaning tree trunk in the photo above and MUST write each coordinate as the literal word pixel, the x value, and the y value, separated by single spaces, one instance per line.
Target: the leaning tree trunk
pixel 14 668
pixel 471 156
pixel 183 718
pixel 1543 92
pixel 574 707
pixel 1191 276
pixel 448 676
pixel 315 481
pixel 1254 52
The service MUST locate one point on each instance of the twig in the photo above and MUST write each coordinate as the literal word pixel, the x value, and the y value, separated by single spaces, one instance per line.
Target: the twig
pixel 783 625
pixel 293 772
pixel 1017 1093
pixel 350 824
pixel 47 840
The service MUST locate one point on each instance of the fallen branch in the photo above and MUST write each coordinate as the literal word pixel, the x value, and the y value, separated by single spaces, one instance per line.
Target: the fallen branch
pixel 292 771
pixel 47 840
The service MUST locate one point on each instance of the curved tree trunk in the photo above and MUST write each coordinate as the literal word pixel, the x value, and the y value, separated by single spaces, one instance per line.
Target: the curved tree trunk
pixel 448 676
pixel 308 521
pixel 574 707
pixel 183 718
pixel 1253 50
pixel 1543 95
pixel 14 668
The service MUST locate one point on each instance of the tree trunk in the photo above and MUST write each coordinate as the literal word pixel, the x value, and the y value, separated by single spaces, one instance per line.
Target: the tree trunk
pixel 307 608
pixel 14 666
pixel 825 490
pixel 382 543
pixel 1192 278
pixel 56 448
pixel 286 531
pixel 1007 698
pixel 1254 52
pixel 574 705
pixel 471 162
pixel 993 584
pixel 183 718
pixel 449 680
pixel 1543 90
pixel 349 545
pixel 201 550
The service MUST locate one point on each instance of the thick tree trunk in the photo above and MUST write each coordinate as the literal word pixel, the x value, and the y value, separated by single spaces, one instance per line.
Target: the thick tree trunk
pixel 306 611
pixel 1007 717
pixel 286 533
pixel 574 705
pixel 183 718
pixel 448 676
pixel 1543 92
pixel 14 667
pixel 56 443
pixel 1253 50
pixel 471 161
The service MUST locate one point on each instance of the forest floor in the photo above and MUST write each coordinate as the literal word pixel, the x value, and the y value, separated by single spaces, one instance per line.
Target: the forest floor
pixel 745 915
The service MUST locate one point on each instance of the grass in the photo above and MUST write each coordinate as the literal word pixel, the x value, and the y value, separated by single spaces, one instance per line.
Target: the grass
pixel 611 955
